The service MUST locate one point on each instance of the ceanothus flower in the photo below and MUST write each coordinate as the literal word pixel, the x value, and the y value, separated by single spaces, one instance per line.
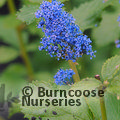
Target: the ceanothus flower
pixel 64 77
pixel 105 1
pixel 117 42
pixel 63 38
pixel 118 19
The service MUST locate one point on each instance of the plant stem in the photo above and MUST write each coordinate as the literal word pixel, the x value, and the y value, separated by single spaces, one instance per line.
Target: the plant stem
pixel 103 109
pixel 76 76
pixel 25 55
pixel 11 6
pixel 22 46
pixel 102 104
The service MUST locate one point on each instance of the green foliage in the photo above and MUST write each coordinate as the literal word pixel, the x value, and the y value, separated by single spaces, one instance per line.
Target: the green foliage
pixel 82 112
pixel 108 31
pixel 8 34
pixel 115 86
pixel 112 107
pixel 110 68
pixel 27 13
pixel 89 83
pixel 14 79
pixel 7 54
pixel 88 14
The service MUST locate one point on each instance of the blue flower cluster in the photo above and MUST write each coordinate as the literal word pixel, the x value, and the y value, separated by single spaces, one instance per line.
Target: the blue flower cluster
pixel 118 19
pixel 117 42
pixel 105 1
pixel 63 38
pixel 64 77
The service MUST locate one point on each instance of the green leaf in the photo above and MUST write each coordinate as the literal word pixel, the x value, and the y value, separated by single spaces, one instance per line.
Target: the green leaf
pixel 37 111
pixel 10 21
pixel 86 103
pixel 87 14
pixel 14 78
pixel 32 47
pixel 44 76
pixel 114 88
pixel 110 68
pixel 80 112
pixel 112 107
pixel 8 33
pixel 7 54
pixel 34 30
pixel 87 83
pixel 108 30
pixel 94 106
pixel 27 13
pixel 2 2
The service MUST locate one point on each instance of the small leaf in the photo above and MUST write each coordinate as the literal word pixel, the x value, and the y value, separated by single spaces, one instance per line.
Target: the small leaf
pixel 27 13
pixel 7 54
pixel 110 67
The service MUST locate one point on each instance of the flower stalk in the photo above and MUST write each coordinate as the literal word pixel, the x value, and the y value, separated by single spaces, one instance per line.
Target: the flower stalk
pixel 76 76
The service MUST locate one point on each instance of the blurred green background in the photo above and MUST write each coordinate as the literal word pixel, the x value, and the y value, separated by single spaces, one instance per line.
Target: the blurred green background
pixel 20 59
